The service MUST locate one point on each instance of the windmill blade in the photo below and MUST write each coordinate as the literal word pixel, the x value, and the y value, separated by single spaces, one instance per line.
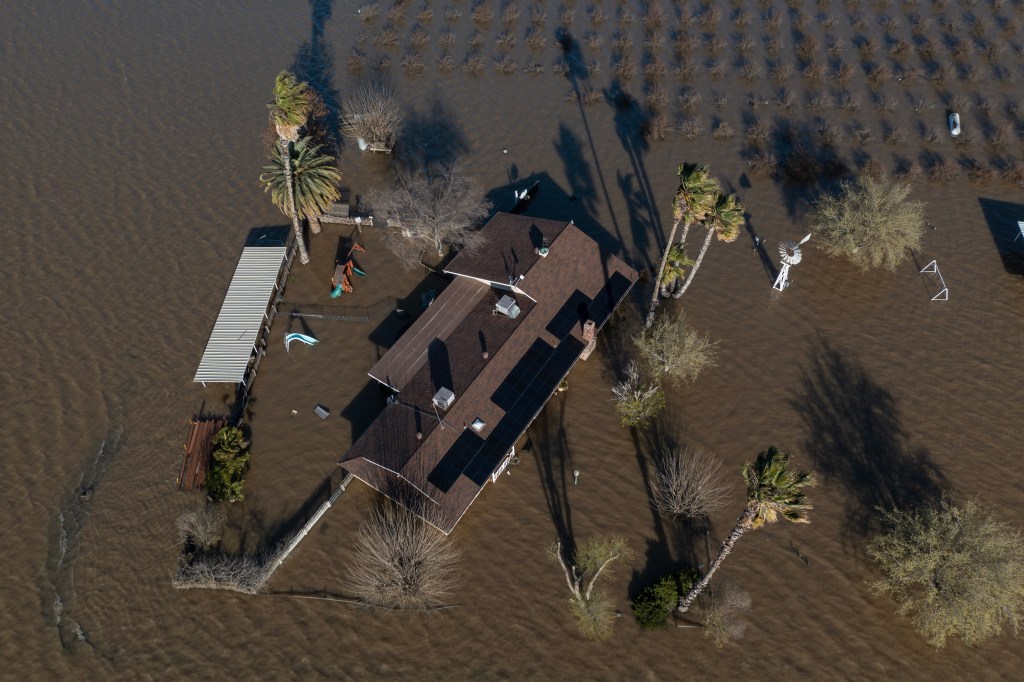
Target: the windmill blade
pixel 806 239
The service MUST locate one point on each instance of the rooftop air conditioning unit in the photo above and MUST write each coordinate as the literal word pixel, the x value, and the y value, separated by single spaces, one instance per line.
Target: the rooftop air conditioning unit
pixel 444 398
pixel 508 306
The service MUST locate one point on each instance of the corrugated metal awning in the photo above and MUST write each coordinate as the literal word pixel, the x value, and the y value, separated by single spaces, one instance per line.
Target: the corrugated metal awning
pixel 241 317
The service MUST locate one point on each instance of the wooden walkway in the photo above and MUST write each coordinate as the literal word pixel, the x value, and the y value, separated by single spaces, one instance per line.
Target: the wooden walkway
pixel 196 460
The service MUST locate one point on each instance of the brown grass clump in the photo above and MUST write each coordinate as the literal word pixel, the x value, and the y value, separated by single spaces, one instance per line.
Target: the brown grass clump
pixel 780 72
pixel 418 38
pixel 909 171
pixel 742 18
pixel 879 75
pixel 979 171
pixel 593 40
pixel 689 100
pixel 1014 173
pixel 387 38
pixel 944 171
pixel 369 12
pixel 691 128
pixel 710 17
pixel 654 70
pixel 896 136
pixel 750 71
pixel 535 40
pixel 763 165
pixel 808 48
pixel 506 65
pixel 510 14
pixel 723 131
pixel 473 66
pixel 625 69
pixel 820 102
pixel 425 14
pixel 657 127
pixel 446 64
pixel 483 14
pixel 356 61
pixel 717 70
pixel 758 134
pixel 452 14
pixel 814 72
pixel 534 68
pixel 597 16
pixel 654 17
pixel 684 70
pixel 716 46
pixel 538 17
pixel 413 65
pixel 657 98
pixel 843 73
pixel 506 40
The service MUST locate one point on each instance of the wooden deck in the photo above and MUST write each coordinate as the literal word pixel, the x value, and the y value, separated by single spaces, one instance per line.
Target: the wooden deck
pixel 196 460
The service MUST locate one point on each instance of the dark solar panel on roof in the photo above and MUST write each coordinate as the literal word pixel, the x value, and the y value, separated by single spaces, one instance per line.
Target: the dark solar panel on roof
pixel 610 295
pixel 455 461
pixel 572 313
pixel 519 378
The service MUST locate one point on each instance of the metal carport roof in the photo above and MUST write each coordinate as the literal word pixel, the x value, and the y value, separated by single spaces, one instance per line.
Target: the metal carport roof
pixel 241 317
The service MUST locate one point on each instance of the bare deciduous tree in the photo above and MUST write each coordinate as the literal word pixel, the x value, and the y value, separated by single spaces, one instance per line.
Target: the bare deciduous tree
pixel 400 562
pixel 722 610
pixel 689 484
pixel 593 611
pixel 201 527
pixel 372 114
pixel 436 208
pixel 637 401
pixel 215 571
pixel 672 348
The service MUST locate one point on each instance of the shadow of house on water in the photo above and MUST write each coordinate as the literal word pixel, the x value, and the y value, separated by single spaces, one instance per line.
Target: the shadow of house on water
pixel 855 440
pixel 1002 218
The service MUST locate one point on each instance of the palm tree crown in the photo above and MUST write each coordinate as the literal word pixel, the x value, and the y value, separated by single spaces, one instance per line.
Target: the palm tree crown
pixel 696 193
pixel 291 105
pixel 774 489
pixel 725 216
pixel 314 179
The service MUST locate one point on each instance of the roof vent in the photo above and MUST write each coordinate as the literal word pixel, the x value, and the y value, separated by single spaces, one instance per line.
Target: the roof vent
pixel 507 306
pixel 478 424
pixel 543 250
pixel 444 398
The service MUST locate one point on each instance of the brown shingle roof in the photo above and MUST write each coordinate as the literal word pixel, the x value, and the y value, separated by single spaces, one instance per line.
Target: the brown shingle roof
pixel 449 463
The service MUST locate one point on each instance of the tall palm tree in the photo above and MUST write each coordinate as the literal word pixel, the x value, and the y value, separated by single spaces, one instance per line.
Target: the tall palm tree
pixel 674 274
pixel 307 182
pixel 773 491
pixel 288 113
pixel 692 200
pixel 723 219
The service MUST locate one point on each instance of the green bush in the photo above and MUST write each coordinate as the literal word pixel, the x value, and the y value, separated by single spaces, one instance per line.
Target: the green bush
pixel 230 463
pixel 654 603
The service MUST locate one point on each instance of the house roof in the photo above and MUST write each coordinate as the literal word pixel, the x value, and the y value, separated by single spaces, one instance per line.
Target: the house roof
pixel 440 459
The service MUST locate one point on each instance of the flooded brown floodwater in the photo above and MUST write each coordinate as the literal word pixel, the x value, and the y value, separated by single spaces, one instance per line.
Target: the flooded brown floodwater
pixel 132 152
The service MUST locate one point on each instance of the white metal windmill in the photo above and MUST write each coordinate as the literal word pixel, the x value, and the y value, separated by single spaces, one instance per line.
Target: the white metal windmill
pixel 789 252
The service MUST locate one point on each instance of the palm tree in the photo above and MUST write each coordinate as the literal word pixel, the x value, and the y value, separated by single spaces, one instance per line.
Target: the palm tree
pixel 723 220
pixel 288 113
pixel 311 184
pixel 691 202
pixel 773 491
pixel 674 274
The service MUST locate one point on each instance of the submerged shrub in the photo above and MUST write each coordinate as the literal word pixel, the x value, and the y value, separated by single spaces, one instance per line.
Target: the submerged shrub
pixel 653 604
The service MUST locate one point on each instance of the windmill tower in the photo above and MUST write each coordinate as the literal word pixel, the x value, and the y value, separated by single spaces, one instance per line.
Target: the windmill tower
pixel 789 252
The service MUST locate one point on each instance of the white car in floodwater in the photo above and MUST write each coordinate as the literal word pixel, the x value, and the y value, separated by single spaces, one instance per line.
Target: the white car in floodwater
pixel 954 124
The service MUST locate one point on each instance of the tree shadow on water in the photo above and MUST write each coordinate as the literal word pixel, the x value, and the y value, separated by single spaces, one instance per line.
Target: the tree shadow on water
pixel 855 439
pixel 550 449
pixel 314 64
